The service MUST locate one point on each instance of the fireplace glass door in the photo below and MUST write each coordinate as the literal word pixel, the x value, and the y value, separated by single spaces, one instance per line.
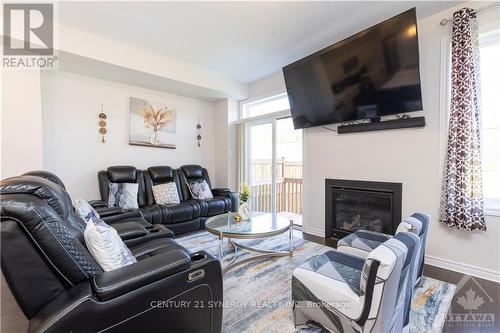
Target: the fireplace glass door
pixel 362 210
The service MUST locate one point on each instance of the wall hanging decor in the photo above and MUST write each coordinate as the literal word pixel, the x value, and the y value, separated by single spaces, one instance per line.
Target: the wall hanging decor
pixel 198 132
pixel 152 124
pixel 102 124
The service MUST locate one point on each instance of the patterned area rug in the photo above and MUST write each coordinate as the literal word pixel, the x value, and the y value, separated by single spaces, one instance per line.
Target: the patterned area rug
pixel 257 296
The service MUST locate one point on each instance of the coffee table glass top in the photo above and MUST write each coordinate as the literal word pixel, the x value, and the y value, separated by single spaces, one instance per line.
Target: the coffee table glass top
pixel 260 224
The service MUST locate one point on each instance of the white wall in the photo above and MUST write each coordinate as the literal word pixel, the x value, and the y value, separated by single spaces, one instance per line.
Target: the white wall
pixel 21 122
pixel 226 113
pixel 221 142
pixel 21 146
pixel 71 146
pixel 410 156
pixel 233 109
pixel 271 85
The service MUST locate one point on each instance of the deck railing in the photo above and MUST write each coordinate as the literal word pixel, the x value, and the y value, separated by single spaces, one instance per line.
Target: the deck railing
pixel 288 196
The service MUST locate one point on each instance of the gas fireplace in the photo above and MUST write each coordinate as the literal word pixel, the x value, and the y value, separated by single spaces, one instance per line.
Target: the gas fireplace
pixel 361 205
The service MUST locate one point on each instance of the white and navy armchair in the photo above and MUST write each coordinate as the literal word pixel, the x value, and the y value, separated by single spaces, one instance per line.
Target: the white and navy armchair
pixel 340 292
pixel 362 242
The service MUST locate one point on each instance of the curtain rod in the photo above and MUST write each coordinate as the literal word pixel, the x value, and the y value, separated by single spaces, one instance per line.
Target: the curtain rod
pixel 446 21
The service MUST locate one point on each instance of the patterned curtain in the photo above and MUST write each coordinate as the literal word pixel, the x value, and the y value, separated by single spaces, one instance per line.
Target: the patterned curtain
pixel 462 197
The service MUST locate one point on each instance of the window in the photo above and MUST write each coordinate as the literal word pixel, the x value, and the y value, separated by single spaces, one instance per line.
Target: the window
pixel 490 109
pixel 264 106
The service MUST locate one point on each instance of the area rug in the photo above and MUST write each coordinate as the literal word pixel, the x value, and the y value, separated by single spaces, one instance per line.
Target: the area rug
pixel 257 296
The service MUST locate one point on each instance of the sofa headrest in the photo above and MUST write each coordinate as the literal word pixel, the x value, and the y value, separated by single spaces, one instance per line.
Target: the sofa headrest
pixel 47 175
pixel 122 174
pixel 43 188
pixel 44 209
pixel 192 171
pixel 161 173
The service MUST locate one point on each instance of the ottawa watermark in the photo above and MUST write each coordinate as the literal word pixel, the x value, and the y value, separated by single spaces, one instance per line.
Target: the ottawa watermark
pixel 472 306
pixel 29 36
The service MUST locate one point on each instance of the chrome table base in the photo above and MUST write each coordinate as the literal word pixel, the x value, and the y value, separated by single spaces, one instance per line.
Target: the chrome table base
pixel 260 252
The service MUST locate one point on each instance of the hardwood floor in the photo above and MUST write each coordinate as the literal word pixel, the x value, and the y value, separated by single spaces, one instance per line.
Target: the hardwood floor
pixel 478 300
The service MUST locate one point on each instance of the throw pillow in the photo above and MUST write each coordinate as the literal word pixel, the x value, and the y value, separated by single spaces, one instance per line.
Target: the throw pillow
pixel 200 190
pixel 165 194
pixel 123 195
pixel 106 246
pixel 85 210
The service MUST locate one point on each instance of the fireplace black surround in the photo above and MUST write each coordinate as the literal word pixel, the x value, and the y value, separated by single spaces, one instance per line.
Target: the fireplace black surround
pixel 352 205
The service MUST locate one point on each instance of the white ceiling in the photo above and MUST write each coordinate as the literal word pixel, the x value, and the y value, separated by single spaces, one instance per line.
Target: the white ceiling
pixel 244 41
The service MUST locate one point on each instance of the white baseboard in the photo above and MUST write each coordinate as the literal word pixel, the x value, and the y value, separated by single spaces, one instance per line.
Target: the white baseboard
pixel 484 273
pixel 314 231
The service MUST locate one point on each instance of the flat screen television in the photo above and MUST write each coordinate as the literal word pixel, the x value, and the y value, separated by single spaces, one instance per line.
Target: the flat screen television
pixel 371 74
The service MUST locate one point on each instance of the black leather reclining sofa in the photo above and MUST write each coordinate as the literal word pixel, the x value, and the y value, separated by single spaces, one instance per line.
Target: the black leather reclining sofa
pixel 189 215
pixel 61 288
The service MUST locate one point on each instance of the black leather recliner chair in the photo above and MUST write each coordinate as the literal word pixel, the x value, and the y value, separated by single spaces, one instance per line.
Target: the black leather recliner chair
pixel 61 288
pixel 180 218
pixel 223 201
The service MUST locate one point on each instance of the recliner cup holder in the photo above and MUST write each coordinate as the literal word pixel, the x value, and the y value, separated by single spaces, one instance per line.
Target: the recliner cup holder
pixel 154 230
pixel 198 256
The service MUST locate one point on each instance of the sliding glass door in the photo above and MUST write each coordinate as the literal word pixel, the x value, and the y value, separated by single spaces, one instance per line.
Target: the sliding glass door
pixel 274 167
pixel 260 167
pixel 288 170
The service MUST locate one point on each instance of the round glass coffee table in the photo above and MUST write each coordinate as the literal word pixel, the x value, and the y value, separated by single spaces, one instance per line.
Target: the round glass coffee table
pixel 260 225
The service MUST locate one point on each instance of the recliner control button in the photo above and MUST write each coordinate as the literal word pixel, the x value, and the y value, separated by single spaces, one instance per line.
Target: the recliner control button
pixel 196 275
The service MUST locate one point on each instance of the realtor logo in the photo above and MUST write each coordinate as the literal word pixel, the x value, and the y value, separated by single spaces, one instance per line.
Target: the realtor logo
pixel 28 29
pixel 28 36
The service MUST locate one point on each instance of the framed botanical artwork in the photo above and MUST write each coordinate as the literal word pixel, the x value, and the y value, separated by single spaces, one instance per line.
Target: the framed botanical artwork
pixel 152 124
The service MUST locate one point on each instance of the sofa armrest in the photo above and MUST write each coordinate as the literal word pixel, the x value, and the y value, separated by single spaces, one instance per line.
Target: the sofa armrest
pixel 222 191
pixel 129 230
pixel 120 281
pixel 124 216
pixel 134 232
pixel 153 232
pixel 71 310
pixel 98 203
pixel 226 192
pixel 109 211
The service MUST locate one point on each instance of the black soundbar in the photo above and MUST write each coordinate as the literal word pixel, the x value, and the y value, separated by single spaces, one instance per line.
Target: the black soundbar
pixel 382 125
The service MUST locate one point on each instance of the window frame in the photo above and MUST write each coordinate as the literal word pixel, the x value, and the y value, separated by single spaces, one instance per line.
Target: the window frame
pixel 491 205
pixel 261 100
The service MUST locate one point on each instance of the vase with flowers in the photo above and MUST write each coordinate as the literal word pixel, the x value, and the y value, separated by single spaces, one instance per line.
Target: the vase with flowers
pixel 244 210
pixel 156 119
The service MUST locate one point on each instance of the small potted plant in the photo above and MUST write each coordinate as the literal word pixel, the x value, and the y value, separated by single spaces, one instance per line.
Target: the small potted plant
pixel 244 209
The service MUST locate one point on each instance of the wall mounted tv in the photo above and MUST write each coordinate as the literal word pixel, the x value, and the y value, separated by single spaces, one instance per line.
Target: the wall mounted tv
pixel 366 76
